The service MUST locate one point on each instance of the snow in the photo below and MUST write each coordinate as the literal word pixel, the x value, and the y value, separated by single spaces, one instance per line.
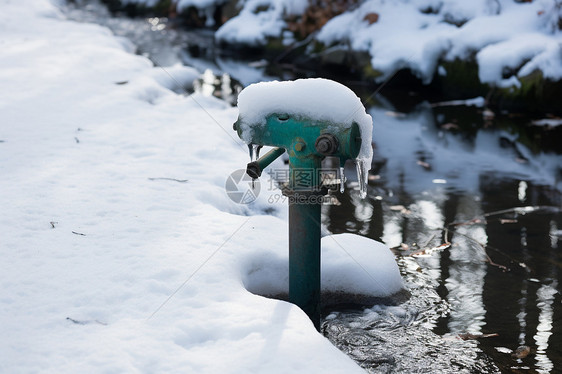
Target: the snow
pixel 258 20
pixel 121 251
pixel 206 8
pixel 315 98
pixel 419 34
pixel 511 54
pixel 476 101
pixel 377 276
pixel 404 36
pixel 549 122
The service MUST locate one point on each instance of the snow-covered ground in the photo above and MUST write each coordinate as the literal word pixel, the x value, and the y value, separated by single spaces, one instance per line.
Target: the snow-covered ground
pixel 120 249
pixel 418 34
pixel 507 39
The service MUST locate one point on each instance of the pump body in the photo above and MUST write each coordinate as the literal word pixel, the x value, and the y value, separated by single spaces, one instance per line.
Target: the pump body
pixel 307 141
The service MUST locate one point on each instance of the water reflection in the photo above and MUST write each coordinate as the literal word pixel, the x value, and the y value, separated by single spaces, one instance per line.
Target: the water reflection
pixel 545 299
pixel 221 86
pixel 467 270
pixel 430 177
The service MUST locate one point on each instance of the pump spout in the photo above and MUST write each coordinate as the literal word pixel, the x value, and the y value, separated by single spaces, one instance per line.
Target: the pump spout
pixel 255 168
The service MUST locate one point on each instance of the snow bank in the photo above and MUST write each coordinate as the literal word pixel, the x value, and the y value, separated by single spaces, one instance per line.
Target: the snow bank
pixel 349 262
pixel 419 34
pixel 259 20
pixel 121 251
pixel 352 262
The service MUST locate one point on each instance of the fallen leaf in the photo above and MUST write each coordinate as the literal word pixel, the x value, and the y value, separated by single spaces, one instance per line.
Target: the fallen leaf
pixel 449 126
pixel 504 221
pixel 371 18
pixel 400 208
pixel 488 114
pixel 521 351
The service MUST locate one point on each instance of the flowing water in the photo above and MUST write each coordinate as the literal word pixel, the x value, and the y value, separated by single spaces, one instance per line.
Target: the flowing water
pixel 469 200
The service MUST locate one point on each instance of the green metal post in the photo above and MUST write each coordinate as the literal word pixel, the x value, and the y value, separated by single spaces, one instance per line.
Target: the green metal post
pixel 304 235
pixel 304 259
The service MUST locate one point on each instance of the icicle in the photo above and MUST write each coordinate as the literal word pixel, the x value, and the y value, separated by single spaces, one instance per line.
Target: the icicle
pixel 342 180
pixel 258 149
pixel 251 151
pixel 254 151
pixel 361 177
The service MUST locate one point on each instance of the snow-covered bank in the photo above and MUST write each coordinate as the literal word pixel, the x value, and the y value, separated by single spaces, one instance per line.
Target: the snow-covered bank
pixel 112 196
pixel 508 50
pixel 508 39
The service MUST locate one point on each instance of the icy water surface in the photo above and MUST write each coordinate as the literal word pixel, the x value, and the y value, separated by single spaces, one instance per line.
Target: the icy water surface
pixel 474 217
pixel 469 200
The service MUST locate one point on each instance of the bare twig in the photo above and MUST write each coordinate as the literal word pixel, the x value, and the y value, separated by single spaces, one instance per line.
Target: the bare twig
pixel 483 246
pixel 429 240
pixel 473 221
pixel 469 336
pixel 170 179
pixel 504 221
pixel 429 251
pixel 524 210
pixel 85 322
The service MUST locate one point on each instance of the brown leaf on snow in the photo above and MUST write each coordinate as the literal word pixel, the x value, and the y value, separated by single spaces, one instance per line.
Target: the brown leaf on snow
pixel 371 18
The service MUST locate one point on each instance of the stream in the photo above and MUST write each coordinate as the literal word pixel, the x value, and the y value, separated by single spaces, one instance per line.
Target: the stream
pixel 469 200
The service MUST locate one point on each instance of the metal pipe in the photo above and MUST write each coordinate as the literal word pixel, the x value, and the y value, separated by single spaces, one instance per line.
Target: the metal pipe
pixel 304 258
pixel 255 168
pixel 304 195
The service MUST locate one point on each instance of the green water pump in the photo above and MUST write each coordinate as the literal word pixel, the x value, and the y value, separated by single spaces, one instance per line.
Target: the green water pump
pixel 307 141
